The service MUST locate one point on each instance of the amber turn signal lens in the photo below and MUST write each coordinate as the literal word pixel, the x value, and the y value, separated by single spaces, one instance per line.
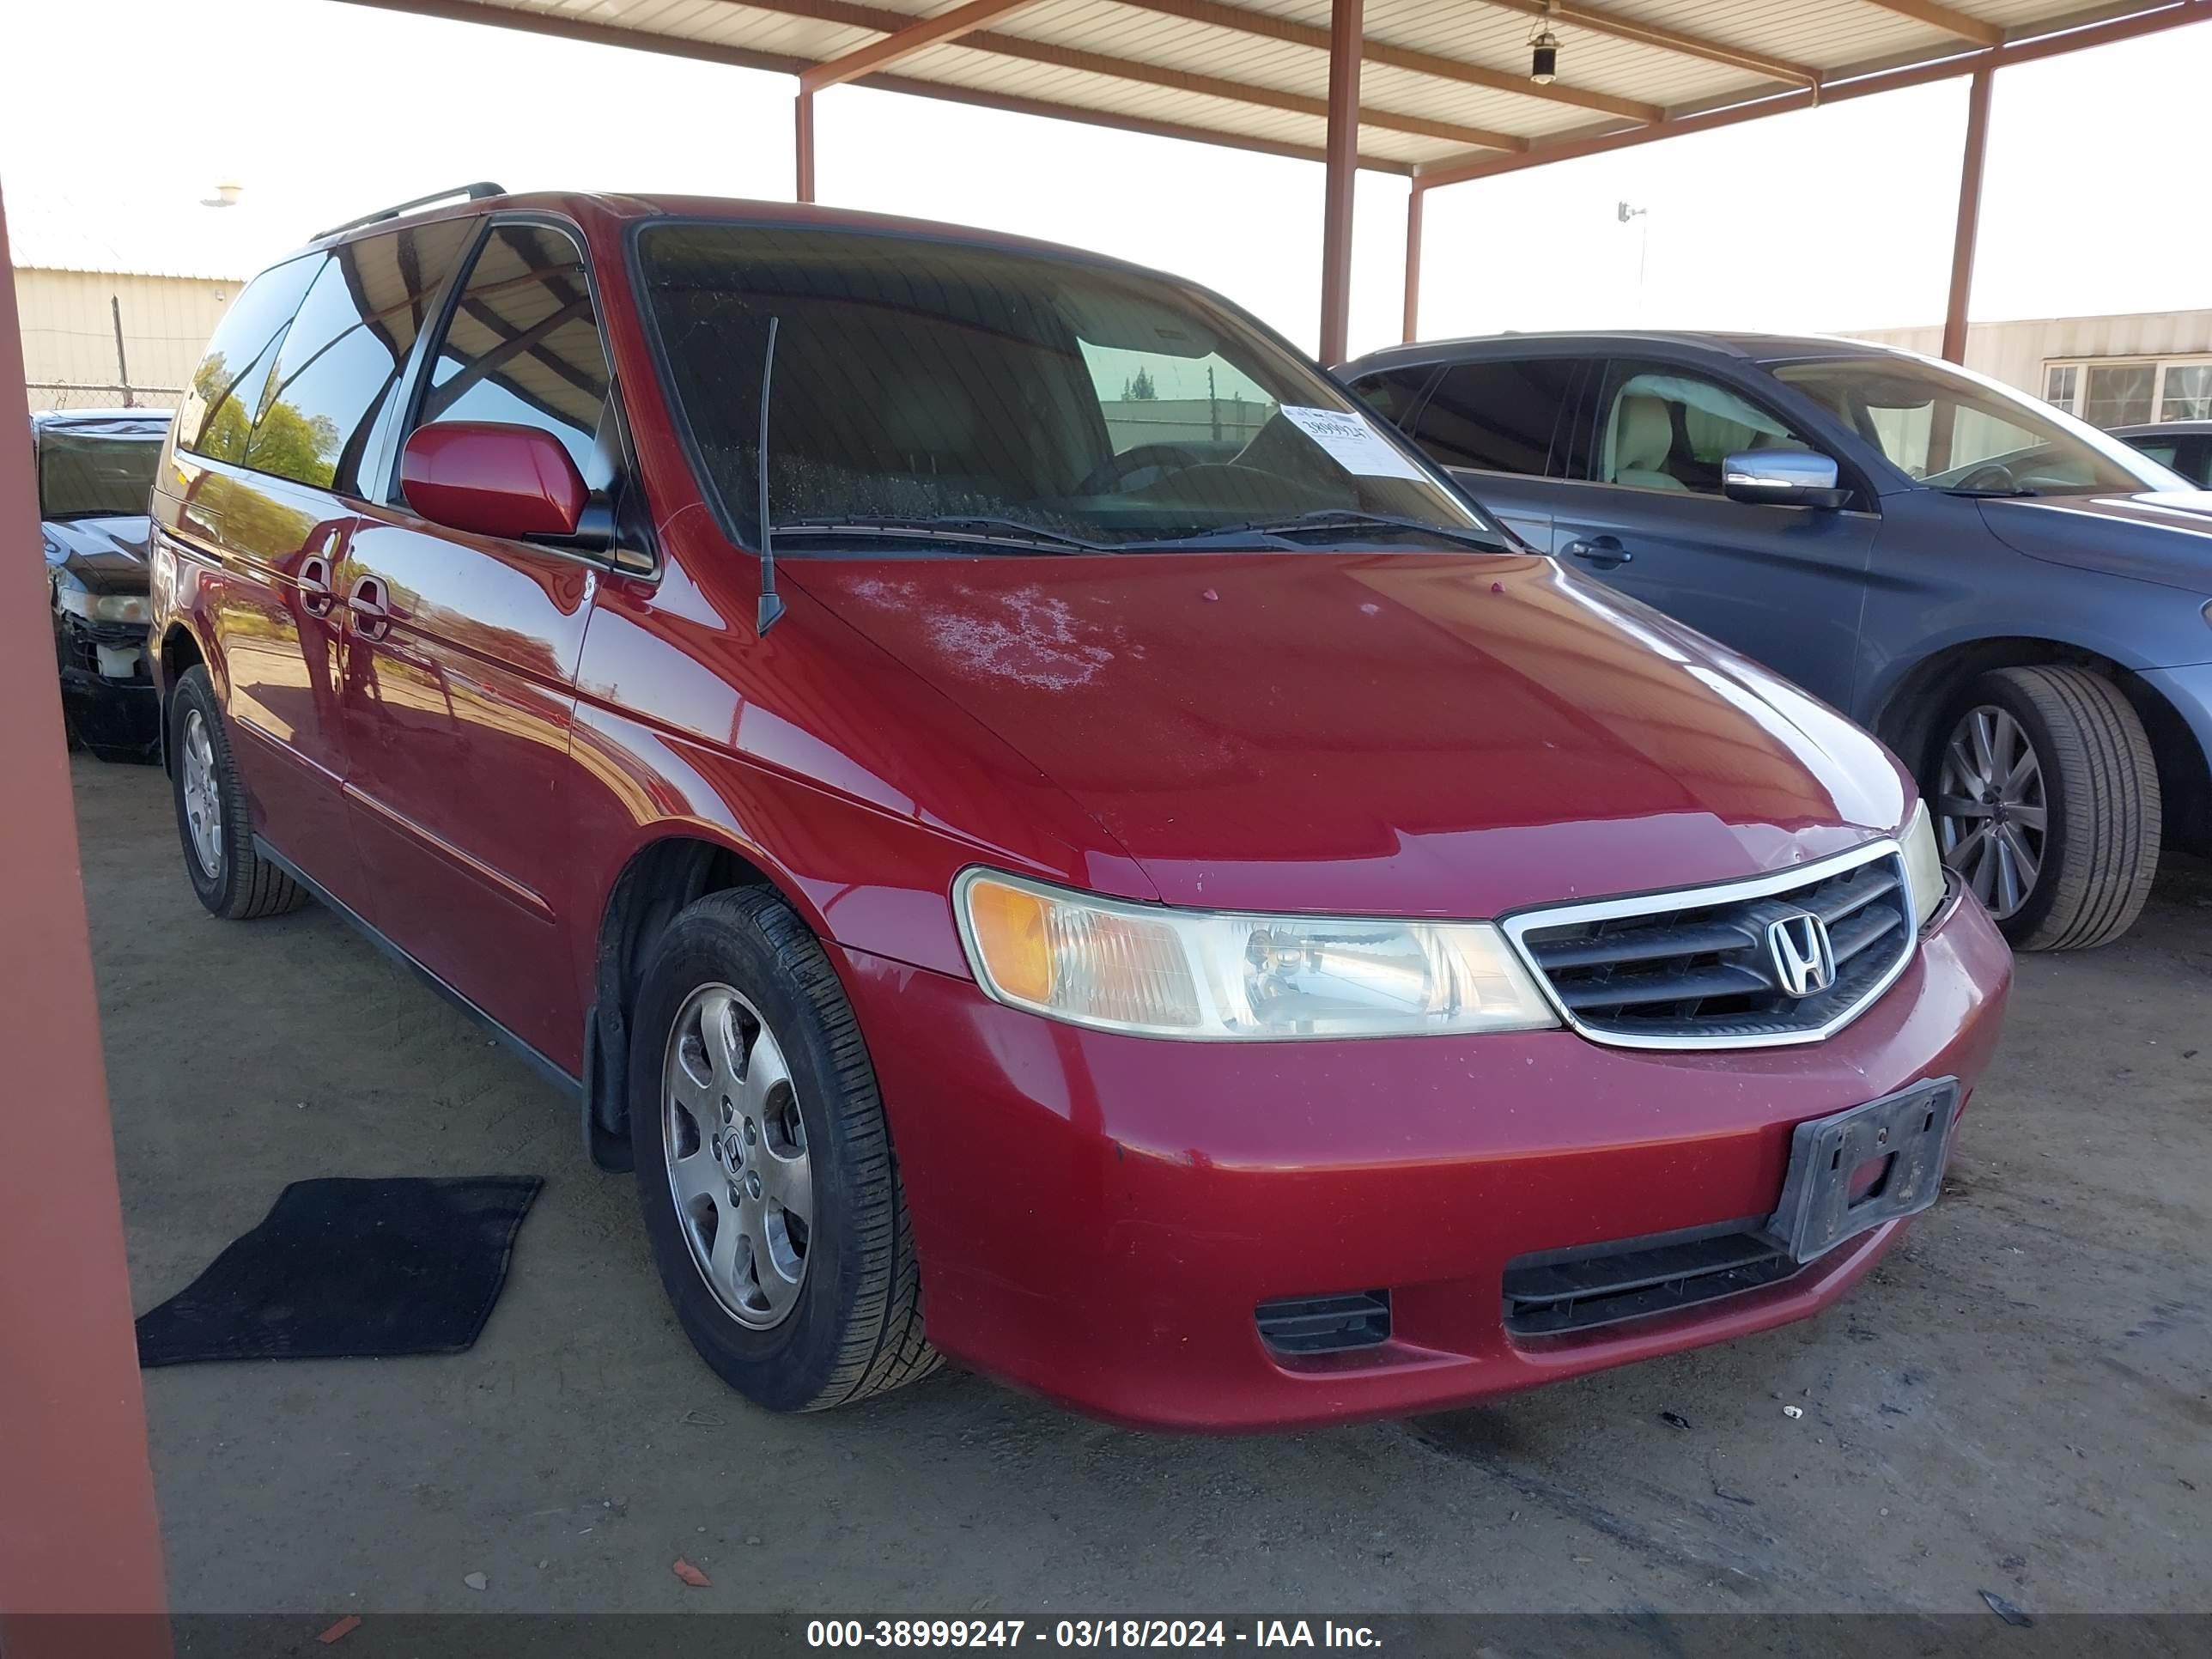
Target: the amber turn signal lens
pixel 1010 936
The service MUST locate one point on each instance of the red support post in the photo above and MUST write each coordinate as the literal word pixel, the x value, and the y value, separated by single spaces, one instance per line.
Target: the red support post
pixel 1412 329
pixel 78 1532
pixel 1344 31
pixel 803 111
pixel 1970 214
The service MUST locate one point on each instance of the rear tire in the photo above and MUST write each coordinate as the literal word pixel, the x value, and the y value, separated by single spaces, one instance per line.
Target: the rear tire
pixel 213 821
pixel 2046 772
pixel 745 1045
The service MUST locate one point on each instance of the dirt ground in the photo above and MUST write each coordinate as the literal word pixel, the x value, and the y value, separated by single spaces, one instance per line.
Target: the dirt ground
pixel 2016 1401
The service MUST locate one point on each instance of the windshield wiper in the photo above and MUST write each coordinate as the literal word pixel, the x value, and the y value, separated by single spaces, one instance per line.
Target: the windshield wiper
pixel 1328 518
pixel 2011 492
pixel 1007 534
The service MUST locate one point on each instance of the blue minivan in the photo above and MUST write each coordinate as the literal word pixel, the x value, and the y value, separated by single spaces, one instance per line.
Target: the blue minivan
pixel 2018 604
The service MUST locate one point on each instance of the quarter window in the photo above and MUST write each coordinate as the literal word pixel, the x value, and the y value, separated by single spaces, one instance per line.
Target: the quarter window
pixel 522 347
pixel 214 417
pixel 346 351
pixel 1498 416
pixel 1665 429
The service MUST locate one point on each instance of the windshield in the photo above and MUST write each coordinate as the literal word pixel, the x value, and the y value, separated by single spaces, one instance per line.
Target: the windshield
pixel 1956 431
pixel 1001 401
pixel 91 474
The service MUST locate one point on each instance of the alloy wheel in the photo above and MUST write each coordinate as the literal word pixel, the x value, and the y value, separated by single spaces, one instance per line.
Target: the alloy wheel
pixel 1991 816
pixel 203 798
pixel 735 1146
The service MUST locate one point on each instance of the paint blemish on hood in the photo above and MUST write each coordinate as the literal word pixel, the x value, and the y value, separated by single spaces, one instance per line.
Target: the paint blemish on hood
pixel 1022 634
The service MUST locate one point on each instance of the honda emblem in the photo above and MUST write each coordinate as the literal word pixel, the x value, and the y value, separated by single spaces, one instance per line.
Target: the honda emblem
pixel 1804 961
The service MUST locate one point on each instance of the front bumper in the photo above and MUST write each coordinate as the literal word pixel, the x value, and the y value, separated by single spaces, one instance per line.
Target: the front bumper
pixel 108 686
pixel 1099 1216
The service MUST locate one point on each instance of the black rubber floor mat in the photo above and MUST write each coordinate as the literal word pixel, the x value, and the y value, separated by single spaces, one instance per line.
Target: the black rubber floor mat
pixel 345 1269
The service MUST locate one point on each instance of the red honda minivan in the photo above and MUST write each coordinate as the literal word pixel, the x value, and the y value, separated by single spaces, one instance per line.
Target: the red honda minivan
pixel 1043 834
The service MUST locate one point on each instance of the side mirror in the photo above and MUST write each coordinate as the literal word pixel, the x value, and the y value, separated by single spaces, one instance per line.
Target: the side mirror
pixel 1783 477
pixel 496 480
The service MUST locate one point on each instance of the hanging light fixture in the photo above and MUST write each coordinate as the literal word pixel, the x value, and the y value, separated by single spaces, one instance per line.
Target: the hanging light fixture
pixel 1543 52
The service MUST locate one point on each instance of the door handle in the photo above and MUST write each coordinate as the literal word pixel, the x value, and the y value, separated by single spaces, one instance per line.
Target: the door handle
pixel 314 582
pixel 370 618
pixel 1604 552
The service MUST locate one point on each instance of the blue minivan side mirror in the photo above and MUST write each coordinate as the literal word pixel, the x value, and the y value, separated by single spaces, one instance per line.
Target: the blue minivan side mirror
pixel 1783 477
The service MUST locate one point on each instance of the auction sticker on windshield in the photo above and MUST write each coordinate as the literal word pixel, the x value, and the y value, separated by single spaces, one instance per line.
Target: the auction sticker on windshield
pixel 1352 443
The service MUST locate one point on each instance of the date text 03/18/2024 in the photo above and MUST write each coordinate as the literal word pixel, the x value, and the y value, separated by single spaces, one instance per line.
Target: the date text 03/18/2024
pixel 1086 1633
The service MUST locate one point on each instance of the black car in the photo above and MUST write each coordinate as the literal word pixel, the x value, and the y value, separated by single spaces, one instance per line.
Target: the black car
pixel 96 471
pixel 2184 445
pixel 2015 601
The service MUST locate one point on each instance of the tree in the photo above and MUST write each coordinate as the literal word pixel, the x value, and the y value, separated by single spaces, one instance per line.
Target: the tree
pixel 1140 390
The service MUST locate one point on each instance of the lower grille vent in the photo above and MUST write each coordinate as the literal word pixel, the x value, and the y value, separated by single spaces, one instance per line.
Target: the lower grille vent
pixel 1307 1325
pixel 1546 1295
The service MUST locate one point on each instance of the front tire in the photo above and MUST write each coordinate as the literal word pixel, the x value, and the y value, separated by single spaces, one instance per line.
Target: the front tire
pixel 764 1169
pixel 2046 801
pixel 233 880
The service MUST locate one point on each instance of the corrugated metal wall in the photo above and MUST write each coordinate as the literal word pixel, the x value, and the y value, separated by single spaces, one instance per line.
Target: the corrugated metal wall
pixel 2016 352
pixel 69 322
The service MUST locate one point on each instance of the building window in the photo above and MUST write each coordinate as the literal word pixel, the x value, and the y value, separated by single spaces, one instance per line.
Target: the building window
pixel 2131 393
pixel 2188 394
pixel 2119 394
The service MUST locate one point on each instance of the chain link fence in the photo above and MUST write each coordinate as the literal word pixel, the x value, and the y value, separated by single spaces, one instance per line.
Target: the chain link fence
pixel 64 394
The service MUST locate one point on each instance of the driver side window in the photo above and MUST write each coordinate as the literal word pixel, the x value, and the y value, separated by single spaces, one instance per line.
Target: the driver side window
pixel 1663 428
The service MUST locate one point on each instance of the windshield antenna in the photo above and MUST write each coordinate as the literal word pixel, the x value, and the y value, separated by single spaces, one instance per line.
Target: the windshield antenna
pixel 771 605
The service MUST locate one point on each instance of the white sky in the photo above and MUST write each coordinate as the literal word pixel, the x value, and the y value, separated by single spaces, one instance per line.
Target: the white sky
pixel 2095 201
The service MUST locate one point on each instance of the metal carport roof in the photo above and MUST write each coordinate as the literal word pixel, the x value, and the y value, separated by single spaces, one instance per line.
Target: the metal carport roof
pixel 1439 91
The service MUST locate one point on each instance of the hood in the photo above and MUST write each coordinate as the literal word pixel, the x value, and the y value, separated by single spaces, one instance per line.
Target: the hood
pixel 1454 735
pixel 2160 537
pixel 108 555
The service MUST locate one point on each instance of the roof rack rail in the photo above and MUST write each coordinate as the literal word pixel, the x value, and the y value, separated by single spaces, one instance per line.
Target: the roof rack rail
pixel 475 192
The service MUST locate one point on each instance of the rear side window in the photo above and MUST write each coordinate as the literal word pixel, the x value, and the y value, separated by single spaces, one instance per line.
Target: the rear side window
pixel 214 417
pixel 1498 416
pixel 1394 393
pixel 523 349
pixel 345 355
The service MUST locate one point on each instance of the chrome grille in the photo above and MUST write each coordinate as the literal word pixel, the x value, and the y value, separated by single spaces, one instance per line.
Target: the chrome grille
pixel 1696 969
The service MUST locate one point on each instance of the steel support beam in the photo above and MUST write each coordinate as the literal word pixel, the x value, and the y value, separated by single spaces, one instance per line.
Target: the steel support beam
pixel 1346 19
pixel 77 1527
pixel 1949 19
pixel 918 36
pixel 1410 329
pixel 803 137
pixel 1970 214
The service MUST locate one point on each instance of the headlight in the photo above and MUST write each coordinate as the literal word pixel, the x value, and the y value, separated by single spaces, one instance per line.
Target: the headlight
pixel 123 608
pixel 1212 977
pixel 107 607
pixel 1923 865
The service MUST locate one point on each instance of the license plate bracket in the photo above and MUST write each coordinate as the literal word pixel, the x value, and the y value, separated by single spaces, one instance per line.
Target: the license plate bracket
pixel 1910 1129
